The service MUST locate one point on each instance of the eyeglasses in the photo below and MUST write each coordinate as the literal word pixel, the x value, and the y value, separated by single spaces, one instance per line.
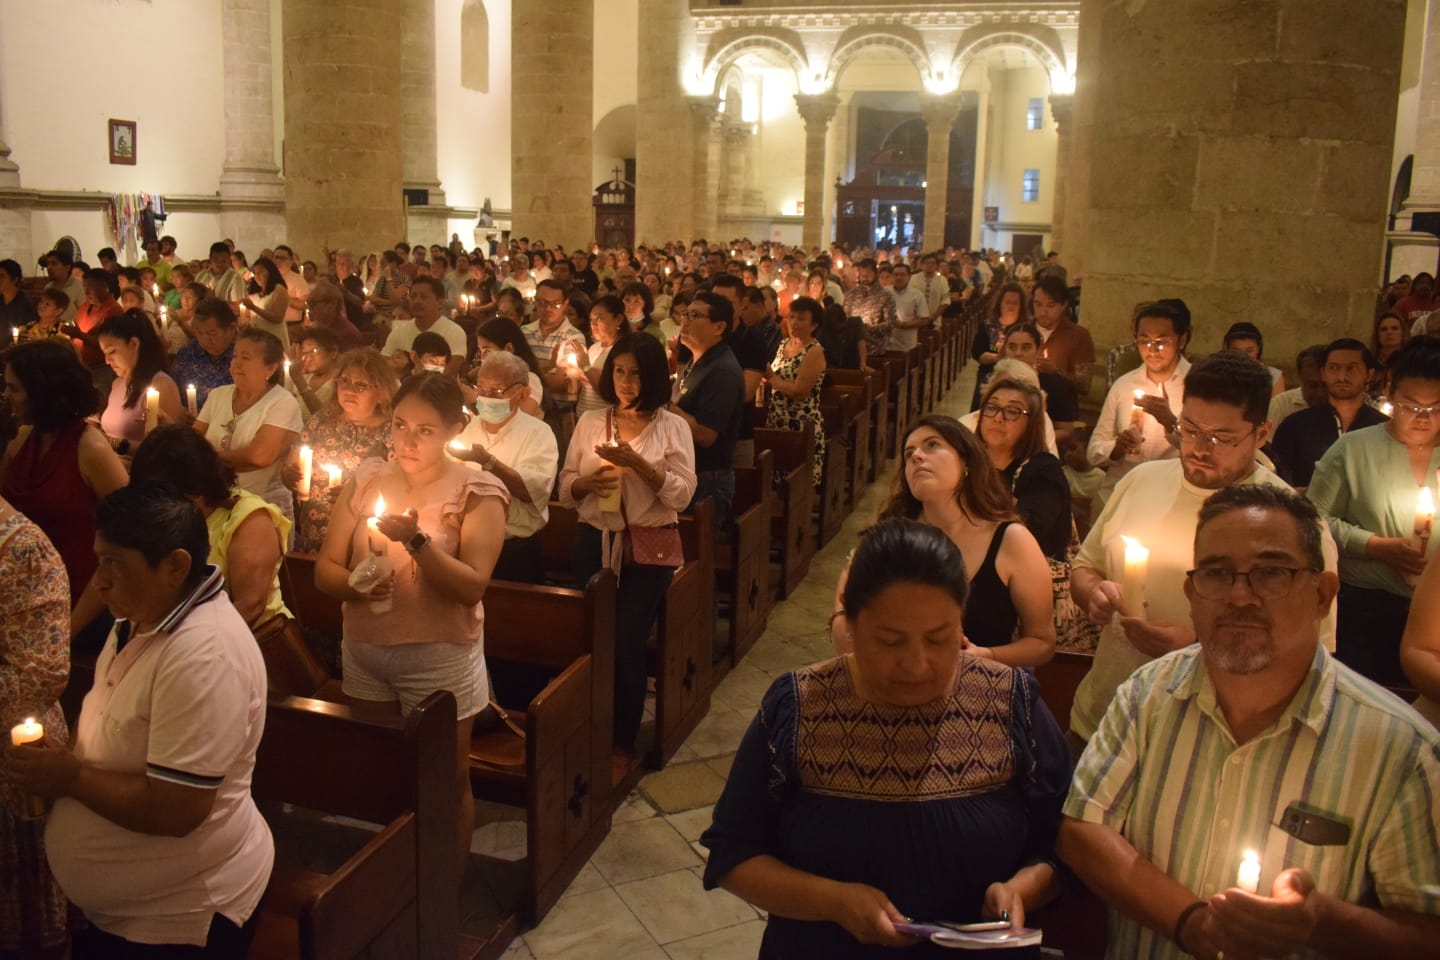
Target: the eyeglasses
pixel 549 304
pixel 1266 582
pixel 358 386
pixel 1208 441
pixel 495 393
pixel 1159 344
pixel 993 411
pixel 1411 410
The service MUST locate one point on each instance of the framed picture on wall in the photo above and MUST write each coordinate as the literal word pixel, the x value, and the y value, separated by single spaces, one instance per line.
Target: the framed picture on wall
pixel 122 141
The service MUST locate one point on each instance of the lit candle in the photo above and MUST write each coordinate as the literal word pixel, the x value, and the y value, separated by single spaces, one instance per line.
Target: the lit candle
pixel 152 408
pixel 367 290
pixel 572 361
pixel 26 731
pixel 192 400
pixel 307 471
pixel 1248 876
pixel 377 539
pixel 1137 413
pixel 1424 516
pixel 154 289
pixel 1387 408
pixel 287 369
pixel 332 474
pixel 14 334
pixel 1137 562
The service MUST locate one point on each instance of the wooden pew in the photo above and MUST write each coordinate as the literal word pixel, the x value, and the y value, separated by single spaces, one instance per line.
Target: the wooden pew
pixel 396 896
pixel 847 420
pixel 792 503
pixel 685 638
pixel 1059 679
pixel 873 383
pixel 559 773
pixel 897 372
pixel 837 411
pixel 743 564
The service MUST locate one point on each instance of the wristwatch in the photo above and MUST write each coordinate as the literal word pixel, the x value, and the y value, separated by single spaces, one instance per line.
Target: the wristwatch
pixel 418 542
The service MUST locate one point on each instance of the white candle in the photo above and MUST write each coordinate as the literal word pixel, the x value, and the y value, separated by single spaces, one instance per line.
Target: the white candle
pixel 287 370
pixel 1137 413
pixel 332 474
pixel 192 401
pixel 1137 562
pixel 14 334
pixel 377 539
pixel 152 408
pixel 1248 876
pixel 1387 408
pixel 1424 517
pixel 307 471
pixel 154 289
pixel 26 731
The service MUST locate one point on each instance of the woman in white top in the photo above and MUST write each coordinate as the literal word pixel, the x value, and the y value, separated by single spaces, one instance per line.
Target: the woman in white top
pixel 607 315
pixel 266 310
pixel 638 449
pixel 254 421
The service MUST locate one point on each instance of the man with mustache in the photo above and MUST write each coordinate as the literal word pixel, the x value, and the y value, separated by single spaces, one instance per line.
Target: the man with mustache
pixel 1222 426
pixel 1259 740
pixel 1304 437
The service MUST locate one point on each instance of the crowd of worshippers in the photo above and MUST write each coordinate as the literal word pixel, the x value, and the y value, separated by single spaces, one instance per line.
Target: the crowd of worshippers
pixel 407 419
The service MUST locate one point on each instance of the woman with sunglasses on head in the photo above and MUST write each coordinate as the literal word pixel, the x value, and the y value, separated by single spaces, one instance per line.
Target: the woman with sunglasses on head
pixel 352 427
pixel 946 479
pixel 254 421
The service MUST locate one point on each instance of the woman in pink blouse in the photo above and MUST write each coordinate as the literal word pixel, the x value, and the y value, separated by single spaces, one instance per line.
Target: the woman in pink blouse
pixel 420 626
pixel 630 465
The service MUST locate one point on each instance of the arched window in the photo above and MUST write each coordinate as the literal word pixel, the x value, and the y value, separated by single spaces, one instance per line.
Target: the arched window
pixel 475 47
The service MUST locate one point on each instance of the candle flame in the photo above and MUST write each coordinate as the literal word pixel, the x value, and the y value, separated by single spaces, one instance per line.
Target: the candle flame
pixel 379 506
pixel 457 444
pixel 1425 501
pixel 1139 395
pixel 1250 856
pixel 152 392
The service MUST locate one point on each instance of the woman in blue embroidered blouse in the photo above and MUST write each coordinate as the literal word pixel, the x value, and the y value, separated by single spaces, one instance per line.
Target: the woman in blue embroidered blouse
pixel 904 779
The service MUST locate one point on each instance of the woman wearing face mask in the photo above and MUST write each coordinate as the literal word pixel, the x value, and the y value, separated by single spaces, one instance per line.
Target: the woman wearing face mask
pixel 440 528
pixel 133 351
pixel 254 421
pixel 352 427
pixel 638 308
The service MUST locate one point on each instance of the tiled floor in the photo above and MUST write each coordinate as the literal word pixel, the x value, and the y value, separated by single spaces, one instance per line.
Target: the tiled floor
pixel 640 896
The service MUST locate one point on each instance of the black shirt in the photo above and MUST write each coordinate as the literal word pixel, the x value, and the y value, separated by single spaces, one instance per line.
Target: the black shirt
pixel 1060 400
pixel 768 332
pixel 353 289
pixel 1042 496
pixel 748 343
pixel 19 312
pixel 712 390
pixel 1303 437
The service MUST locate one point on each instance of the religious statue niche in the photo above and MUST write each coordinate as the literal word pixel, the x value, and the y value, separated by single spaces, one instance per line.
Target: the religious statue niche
pixel 614 203
pixel 884 205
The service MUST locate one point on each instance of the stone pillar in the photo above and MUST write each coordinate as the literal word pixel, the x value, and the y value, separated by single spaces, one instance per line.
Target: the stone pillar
pixel 816 110
pixel 753 204
pixel 342 125
pixel 1062 109
pixel 1250 176
pixel 1076 227
pixel 982 166
pixel 252 194
pixel 704 190
pixel 552 55
pixel 15 207
pixel 664 160
pixel 734 140
pixel 1414 253
pixel 425 223
pixel 939 114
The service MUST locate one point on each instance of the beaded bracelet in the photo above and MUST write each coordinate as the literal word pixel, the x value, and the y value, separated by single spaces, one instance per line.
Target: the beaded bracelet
pixel 1180 924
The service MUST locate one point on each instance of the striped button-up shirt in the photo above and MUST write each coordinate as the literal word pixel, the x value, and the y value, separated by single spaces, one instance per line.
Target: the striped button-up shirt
pixel 1165 772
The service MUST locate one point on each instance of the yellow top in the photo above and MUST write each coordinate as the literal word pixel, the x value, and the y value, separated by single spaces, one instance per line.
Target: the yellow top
pixel 224 521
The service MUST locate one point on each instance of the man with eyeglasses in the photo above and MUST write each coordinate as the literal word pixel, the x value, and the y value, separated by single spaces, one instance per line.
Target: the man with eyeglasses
pixel 1221 427
pixel 520 450
pixel 709 395
pixel 1138 419
pixel 1302 439
pixel 1258 740
pixel 1368 487
pixel 553 339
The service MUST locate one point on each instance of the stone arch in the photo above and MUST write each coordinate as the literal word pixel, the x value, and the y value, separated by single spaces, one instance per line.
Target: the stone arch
pixel 1043 46
pixel 729 45
pixel 728 88
pixel 857 39
pixel 475 46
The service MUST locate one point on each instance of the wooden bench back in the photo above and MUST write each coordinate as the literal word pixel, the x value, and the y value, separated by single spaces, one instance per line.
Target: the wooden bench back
pixel 549 627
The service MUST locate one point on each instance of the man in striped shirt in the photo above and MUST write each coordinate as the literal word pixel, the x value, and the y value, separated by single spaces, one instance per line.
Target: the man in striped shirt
pixel 1259 740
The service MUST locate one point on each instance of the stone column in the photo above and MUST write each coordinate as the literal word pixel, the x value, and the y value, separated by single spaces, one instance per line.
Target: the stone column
pixel 939 114
pixel 734 141
pixel 252 194
pixel 753 205
pixel 816 110
pixel 664 160
pixel 982 166
pixel 15 208
pixel 1062 109
pixel 1250 176
pixel 425 223
pixel 1412 253
pixel 342 125
pixel 552 55
pixel 704 190
pixel 1076 228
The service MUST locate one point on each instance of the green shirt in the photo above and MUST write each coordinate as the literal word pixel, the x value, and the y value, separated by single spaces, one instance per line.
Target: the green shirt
pixel 1165 772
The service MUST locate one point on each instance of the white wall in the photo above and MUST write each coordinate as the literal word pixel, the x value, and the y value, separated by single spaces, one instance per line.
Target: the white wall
pixel 1017 148
pixel 615 83
pixel 62 77
pixel 782 140
pixel 472 136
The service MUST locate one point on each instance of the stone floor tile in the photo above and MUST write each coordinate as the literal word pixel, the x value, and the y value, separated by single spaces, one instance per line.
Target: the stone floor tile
pixel 634 808
pixel 589 926
pixel 721 765
pixel 586 881
pixel 503 839
pixel 645 848
pixel 675 906
pixel 740 942
pixel 720 732
pixel 692 823
pixel 682 786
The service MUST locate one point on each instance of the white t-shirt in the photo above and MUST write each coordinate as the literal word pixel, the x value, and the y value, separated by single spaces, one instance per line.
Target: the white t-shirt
pixel 403 334
pixel 909 304
pixel 526 445
pixel 278 407
pixel 1115 416
pixel 185 704
pixel 590 398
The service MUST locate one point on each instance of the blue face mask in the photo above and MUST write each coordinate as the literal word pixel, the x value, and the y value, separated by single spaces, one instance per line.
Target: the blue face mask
pixel 492 409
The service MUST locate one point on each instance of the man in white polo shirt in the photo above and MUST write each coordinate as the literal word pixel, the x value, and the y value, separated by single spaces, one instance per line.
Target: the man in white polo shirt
pixel 427 300
pixel 520 450
pixel 154 834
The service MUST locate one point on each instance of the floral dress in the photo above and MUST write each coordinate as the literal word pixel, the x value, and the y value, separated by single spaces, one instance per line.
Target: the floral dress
pixel 336 442
pixel 787 413
pixel 34 665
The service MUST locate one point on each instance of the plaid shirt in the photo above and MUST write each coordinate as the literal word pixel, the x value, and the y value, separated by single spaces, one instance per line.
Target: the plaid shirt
pixel 875 307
